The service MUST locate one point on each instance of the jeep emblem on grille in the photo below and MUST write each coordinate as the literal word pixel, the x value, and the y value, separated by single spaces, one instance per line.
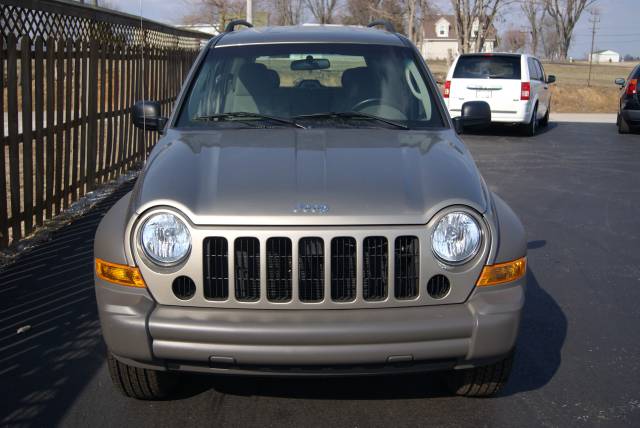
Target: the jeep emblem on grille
pixel 311 209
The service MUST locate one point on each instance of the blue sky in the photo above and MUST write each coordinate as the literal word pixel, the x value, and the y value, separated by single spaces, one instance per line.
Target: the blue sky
pixel 618 30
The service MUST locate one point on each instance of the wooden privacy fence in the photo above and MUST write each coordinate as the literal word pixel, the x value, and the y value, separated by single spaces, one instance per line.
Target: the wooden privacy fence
pixel 70 74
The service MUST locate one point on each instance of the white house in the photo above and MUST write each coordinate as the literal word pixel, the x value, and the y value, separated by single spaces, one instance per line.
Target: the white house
pixel 605 56
pixel 440 39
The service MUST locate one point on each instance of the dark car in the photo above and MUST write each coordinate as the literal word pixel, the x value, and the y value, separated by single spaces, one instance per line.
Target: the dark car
pixel 629 107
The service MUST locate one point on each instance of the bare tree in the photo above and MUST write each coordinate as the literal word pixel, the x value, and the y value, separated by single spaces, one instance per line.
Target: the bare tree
pixel 535 13
pixel 219 12
pixel 475 13
pixel 513 40
pixel 549 39
pixel 287 12
pixel 565 15
pixel 361 12
pixel 322 10
pixel 407 16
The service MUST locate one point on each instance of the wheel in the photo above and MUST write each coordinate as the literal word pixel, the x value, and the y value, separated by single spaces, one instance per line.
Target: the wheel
pixel 545 120
pixel 623 126
pixel 141 384
pixel 531 128
pixel 483 381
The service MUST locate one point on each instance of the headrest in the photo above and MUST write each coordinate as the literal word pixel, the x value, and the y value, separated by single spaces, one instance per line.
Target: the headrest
pixel 256 75
pixel 356 76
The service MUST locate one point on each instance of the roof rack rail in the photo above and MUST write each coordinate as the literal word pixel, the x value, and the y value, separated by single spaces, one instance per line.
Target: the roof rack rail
pixel 232 25
pixel 386 24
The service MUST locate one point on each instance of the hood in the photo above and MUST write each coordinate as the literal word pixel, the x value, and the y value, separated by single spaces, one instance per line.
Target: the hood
pixel 309 177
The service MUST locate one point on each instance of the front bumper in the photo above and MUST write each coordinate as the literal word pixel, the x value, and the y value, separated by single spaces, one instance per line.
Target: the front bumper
pixel 139 332
pixel 520 112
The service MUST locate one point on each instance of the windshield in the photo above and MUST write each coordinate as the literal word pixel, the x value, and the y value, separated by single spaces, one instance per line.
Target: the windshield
pixel 310 83
pixel 487 67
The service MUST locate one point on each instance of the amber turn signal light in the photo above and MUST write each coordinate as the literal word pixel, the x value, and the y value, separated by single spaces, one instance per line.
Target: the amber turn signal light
pixel 119 274
pixel 503 272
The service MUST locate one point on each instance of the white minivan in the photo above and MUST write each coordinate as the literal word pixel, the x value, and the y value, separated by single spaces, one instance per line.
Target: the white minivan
pixel 514 85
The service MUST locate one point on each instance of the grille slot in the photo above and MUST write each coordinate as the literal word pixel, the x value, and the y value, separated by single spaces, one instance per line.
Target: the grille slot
pixel 343 269
pixel 438 286
pixel 311 269
pixel 216 268
pixel 279 283
pixel 407 267
pixel 183 287
pixel 247 269
pixel 375 269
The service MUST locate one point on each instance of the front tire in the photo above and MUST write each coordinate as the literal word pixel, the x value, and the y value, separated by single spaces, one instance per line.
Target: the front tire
pixel 138 383
pixel 531 128
pixel 483 381
pixel 623 126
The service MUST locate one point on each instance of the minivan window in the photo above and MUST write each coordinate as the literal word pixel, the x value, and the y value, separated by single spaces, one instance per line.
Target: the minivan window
pixel 487 66
pixel 541 71
pixel 288 81
pixel 534 71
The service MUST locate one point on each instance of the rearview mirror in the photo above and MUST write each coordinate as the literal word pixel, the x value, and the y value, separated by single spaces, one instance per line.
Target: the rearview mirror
pixel 147 115
pixel 620 81
pixel 551 78
pixel 310 63
pixel 474 114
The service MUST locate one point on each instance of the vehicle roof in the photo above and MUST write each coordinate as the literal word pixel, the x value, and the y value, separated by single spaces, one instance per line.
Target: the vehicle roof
pixel 494 54
pixel 309 34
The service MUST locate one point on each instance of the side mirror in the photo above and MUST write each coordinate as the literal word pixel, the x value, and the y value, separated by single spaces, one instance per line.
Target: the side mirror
pixel 551 78
pixel 620 81
pixel 476 114
pixel 147 115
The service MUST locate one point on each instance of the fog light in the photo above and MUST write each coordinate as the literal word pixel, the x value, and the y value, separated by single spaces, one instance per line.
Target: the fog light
pixel 503 272
pixel 119 274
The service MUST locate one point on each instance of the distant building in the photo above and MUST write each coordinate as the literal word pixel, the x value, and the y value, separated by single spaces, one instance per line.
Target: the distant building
pixel 605 56
pixel 440 38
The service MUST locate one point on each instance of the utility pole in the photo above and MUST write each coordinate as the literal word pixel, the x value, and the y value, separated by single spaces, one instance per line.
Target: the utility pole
pixel 595 19
pixel 250 10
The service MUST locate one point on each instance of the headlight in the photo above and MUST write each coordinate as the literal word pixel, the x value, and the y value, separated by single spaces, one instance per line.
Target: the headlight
pixel 165 239
pixel 456 238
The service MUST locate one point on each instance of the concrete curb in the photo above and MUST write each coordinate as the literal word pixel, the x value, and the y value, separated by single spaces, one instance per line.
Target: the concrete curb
pixel 584 117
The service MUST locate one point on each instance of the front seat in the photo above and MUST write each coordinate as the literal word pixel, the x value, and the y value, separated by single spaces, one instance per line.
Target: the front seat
pixel 359 84
pixel 254 89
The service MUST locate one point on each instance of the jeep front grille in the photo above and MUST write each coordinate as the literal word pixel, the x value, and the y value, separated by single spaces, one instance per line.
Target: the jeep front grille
pixel 279 269
pixel 216 268
pixel 375 276
pixel 407 272
pixel 247 269
pixel 343 269
pixel 312 270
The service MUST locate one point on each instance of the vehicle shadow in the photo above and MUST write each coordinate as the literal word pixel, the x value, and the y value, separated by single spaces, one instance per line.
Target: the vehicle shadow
pixel 543 330
pixel 503 130
pixel 50 341
pixel 542 334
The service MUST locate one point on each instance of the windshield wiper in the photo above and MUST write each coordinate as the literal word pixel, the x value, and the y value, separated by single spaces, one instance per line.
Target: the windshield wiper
pixel 351 115
pixel 246 115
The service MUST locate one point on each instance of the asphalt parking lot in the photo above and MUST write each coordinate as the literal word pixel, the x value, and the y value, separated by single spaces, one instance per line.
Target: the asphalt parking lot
pixel 576 188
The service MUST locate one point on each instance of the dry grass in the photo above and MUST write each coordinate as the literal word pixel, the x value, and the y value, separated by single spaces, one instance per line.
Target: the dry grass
pixel 571 93
pixel 568 98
